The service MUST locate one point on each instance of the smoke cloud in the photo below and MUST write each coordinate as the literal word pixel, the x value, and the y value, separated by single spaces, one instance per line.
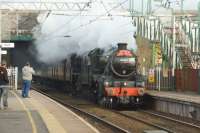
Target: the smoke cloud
pixel 82 33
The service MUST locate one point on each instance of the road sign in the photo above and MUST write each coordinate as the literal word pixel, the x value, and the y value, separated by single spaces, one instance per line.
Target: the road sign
pixel 3 51
pixel 7 45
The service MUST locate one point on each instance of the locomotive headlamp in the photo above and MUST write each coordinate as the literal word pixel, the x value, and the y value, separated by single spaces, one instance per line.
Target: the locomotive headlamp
pixel 141 91
pixel 125 83
pixel 124 71
pixel 106 83
pixel 137 99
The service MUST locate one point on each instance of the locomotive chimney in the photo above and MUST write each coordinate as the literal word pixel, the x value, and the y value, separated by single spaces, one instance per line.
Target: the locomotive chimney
pixel 122 46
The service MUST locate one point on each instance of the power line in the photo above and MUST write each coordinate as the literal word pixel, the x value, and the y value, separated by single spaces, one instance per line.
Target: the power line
pixel 90 22
pixel 94 20
pixel 108 13
pixel 60 27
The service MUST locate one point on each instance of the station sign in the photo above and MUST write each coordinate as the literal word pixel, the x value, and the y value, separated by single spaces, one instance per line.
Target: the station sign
pixel 3 51
pixel 151 76
pixel 157 54
pixel 165 72
pixel 7 45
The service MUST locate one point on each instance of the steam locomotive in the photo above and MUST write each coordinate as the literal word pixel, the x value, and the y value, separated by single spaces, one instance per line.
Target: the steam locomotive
pixel 111 76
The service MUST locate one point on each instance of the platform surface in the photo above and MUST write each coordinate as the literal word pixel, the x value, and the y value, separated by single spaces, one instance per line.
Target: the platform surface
pixel 186 97
pixel 40 114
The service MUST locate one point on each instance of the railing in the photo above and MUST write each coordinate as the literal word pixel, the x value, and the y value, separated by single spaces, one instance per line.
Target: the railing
pixel 196 60
pixel 192 30
pixel 184 41
pixel 13 77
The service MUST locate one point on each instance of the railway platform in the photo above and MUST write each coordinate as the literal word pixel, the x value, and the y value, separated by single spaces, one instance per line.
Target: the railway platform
pixel 179 96
pixel 178 103
pixel 40 114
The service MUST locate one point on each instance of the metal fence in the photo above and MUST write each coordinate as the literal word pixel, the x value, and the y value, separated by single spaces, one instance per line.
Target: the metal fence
pixel 185 80
pixel 162 80
pixel 13 77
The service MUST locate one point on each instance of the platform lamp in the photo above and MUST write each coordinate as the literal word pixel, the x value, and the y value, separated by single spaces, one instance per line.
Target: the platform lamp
pixel 67 36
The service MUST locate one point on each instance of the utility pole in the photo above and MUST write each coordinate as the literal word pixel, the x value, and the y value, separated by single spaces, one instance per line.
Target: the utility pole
pixel 182 10
pixel 132 6
pixel 142 7
pixel 149 7
pixel 181 6
pixel 173 42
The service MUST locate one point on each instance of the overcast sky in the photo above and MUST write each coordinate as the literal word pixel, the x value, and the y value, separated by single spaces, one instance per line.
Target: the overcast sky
pixel 86 35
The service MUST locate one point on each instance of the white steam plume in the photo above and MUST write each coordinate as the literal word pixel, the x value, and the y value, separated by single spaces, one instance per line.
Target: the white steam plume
pixel 84 33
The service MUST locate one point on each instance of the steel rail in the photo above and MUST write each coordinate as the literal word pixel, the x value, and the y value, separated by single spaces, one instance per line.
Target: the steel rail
pixel 91 116
pixel 143 121
pixel 171 119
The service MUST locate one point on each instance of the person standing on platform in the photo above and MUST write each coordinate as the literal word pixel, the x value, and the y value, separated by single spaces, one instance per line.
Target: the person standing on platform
pixel 27 72
pixel 3 86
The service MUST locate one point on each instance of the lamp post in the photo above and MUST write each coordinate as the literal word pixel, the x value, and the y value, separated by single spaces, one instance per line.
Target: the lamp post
pixel 67 36
pixel 173 42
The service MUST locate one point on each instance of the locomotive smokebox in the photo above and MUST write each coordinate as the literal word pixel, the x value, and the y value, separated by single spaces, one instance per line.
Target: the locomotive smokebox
pixel 122 46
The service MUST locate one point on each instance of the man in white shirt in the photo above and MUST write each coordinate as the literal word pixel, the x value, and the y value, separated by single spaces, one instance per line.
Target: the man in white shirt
pixel 27 72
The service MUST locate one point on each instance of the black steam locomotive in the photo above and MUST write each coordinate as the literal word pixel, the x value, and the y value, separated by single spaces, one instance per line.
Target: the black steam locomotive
pixel 109 75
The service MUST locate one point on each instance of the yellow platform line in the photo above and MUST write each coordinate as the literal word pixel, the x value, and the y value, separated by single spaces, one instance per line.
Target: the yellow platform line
pixel 51 122
pixel 68 110
pixel 34 129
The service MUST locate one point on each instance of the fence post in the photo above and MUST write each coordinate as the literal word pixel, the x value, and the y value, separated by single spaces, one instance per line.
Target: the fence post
pixel 159 77
pixel 199 80
pixel 16 77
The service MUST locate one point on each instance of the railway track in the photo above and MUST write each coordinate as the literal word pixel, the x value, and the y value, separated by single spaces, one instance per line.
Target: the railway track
pixel 144 121
pixel 171 119
pixel 140 116
pixel 94 118
pixel 174 126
